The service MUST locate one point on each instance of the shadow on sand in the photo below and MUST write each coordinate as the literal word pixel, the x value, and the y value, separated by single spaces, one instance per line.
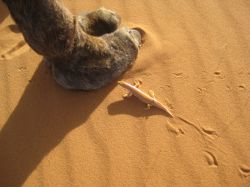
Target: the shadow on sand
pixel 44 115
pixel 3 11
pixel 134 107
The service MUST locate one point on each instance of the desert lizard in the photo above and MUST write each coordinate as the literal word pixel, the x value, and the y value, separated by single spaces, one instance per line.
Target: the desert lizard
pixel 149 99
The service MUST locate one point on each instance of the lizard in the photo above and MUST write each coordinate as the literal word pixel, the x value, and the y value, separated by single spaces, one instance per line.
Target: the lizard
pixel 149 98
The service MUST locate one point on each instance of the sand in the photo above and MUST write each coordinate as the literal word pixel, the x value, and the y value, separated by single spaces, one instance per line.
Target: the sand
pixel 196 58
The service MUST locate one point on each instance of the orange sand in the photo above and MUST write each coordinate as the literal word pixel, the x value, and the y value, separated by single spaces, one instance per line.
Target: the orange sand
pixel 197 60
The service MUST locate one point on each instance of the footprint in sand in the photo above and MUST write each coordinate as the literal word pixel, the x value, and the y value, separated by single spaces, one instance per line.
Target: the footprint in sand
pixel 244 170
pixel 242 87
pixel 211 159
pixel 219 75
pixel 178 74
pixel 173 129
pixel 217 72
pixel 210 132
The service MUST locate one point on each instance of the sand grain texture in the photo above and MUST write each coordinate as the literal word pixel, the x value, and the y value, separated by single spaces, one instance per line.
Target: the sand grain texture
pixel 196 58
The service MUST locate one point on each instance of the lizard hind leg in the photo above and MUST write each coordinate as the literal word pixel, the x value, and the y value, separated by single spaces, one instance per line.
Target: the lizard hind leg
pixel 126 95
pixel 148 107
pixel 151 94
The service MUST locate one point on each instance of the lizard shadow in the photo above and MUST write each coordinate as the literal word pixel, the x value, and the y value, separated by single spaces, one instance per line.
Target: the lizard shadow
pixel 134 107
pixel 45 114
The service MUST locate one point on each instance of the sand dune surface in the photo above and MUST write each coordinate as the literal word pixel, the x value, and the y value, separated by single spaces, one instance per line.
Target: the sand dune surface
pixel 196 59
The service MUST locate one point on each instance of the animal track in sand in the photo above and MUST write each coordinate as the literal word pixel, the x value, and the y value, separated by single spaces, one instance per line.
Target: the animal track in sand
pixel 178 74
pixel 12 44
pixel 219 75
pixel 242 87
pixel 217 72
pixel 14 51
pixel 244 170
pixel 190 124
pixel 211 159
pixel 210 132
pixel 174 129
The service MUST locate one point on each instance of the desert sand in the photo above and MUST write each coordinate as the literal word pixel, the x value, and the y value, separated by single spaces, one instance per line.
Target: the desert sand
pixel 196 58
